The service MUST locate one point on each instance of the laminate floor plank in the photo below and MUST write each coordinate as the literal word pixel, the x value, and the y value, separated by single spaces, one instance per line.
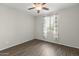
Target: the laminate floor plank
pixel 40 48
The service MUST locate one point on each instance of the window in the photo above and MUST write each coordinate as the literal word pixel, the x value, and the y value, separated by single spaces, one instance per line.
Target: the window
pixel 50 26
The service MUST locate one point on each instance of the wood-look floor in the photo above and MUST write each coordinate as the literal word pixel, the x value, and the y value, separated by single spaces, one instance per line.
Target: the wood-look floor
pixel 40 48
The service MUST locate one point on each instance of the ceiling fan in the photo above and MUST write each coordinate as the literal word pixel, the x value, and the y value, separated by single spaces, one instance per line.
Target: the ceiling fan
pixel 39 6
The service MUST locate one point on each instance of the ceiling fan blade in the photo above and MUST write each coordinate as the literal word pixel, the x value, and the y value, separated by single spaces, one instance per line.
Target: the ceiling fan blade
pixel 35 3
pixel 45 8
pixel 38 11
pixel 31 8
pixel 43 3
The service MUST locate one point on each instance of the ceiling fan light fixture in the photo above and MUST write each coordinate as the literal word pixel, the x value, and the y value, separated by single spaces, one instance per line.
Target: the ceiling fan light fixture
pixel 39 6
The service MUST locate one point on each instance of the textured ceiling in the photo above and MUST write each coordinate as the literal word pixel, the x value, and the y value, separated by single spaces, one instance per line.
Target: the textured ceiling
pixel 51 6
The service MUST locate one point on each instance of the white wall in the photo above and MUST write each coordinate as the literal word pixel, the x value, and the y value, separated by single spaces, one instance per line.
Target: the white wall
pixel 69 26
pixel 68 20
pixel 39 27
pixel 16 27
